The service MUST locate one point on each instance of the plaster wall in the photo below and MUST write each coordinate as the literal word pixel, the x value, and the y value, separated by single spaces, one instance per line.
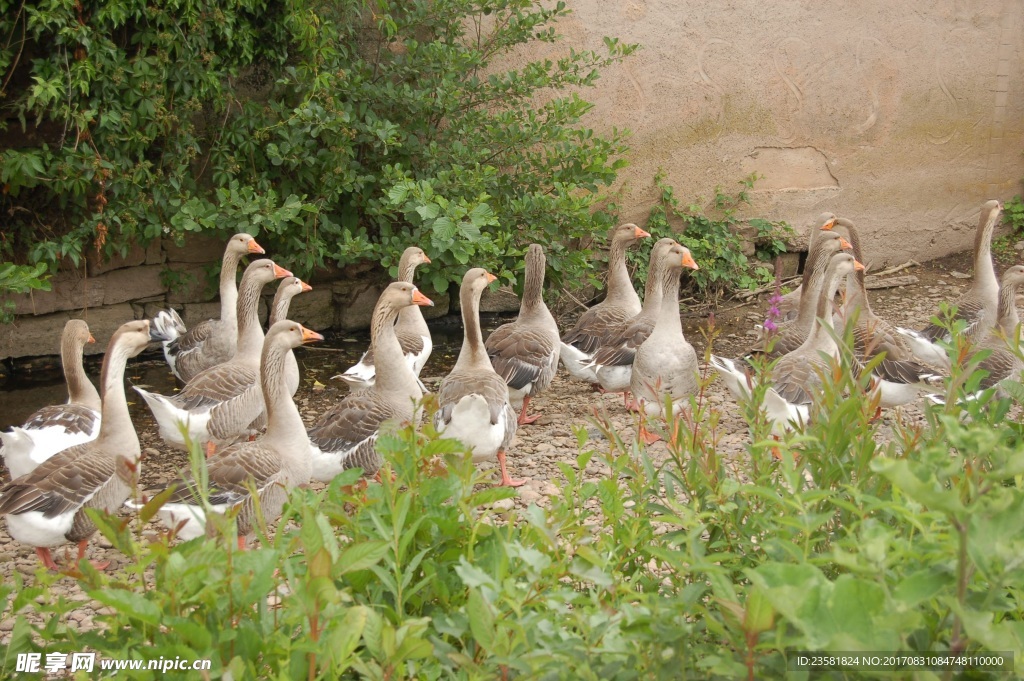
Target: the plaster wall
pixel 904 116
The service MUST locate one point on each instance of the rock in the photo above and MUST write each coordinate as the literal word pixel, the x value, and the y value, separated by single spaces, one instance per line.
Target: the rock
pixel 30 336
pixel 1019 246
pixel 505 505
pixel 68 291
pixel 502 300
pixel 314 309
pixel 195 248
pixel 959 275
pixel 190 284
pixel 529 496
pixel 129 284
pixel 355 312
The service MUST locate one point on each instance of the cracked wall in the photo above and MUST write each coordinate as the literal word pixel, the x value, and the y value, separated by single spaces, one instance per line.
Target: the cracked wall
pixel 904 117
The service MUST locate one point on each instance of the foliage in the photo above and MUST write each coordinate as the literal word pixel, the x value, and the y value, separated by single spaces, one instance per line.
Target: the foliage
pixel 20 279
pixel 340 131
pixel 697 565
pixel 716 242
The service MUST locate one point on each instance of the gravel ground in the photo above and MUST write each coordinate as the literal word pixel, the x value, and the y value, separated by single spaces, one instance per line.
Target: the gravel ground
pixel 539 447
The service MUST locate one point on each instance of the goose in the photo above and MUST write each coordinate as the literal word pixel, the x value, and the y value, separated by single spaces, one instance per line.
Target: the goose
pixel 46 508
pixel 525 352
pixel 977 306
pixel 1002 339
pixel 221 404
pixel 619 306
pixel 665 363
pixel 213 341
pixel 790 336
pixel 898 378
pixel 345 437
pixel 613 360
pixel 473 400
pixel 789 306
pixel 55 428
pixel 270 465
pixel 411 329
pixel 795 377
pixel 286 290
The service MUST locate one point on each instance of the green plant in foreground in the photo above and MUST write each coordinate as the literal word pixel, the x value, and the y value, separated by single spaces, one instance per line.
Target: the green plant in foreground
pixel 702 564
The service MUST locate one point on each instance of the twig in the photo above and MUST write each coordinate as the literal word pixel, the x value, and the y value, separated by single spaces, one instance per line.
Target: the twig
pixel 894 270
pixel 764 289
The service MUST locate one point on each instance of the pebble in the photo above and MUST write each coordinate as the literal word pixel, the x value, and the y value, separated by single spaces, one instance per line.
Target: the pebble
pixel 504 504
pixel 529 496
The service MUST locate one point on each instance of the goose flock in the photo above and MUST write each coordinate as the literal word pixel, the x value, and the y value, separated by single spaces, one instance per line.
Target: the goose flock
pixel 239 382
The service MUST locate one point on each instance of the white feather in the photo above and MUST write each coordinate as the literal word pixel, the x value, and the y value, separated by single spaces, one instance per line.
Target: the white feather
pixel 470 424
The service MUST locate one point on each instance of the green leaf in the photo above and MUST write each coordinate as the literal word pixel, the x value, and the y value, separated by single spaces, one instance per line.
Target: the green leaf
pixel 481 619
pixel 362 555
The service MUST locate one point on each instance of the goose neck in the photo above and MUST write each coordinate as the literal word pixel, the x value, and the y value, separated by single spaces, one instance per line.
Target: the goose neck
pixel 250 333
pixel 80 388
pixel 115 421
pixel 283 420
pixel 473 352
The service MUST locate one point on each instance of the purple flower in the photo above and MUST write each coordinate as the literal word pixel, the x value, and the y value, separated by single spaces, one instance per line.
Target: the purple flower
pixel 769 325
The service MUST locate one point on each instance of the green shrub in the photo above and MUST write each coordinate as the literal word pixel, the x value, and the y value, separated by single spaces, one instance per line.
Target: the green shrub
pixel 696 566
pixel 341 131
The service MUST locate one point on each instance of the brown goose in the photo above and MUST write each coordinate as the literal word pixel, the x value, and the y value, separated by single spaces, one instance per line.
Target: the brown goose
pixel 473 404
pixel 795 378
pixel 211 342
pixel 789 306
pixel 286 290
pixel 613 360
pixel 411 329
pixel 345 437
pixel 220 404
pixel 525 352
pixel 898 377
pixel 270 465
pixel 665 364
pixel 55 428
pixel 46 507
pixel 977 306
pixel 619 306
pixel 792 335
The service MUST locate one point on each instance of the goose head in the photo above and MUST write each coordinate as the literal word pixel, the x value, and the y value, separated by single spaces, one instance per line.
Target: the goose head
pixel 243 244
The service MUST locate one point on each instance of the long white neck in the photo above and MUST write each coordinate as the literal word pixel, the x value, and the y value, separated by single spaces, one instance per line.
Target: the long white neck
pixel 668 314
pixel 393 372
pixel 116 425
pixel 620 286
pixel 80 388
pixel 820 337
pixel 284 424
pixel 473 354
pixel 250 333
pixel 229 291
pixel 984 270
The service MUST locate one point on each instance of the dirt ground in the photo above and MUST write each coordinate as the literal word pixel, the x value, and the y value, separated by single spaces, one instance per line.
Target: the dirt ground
pixel 540 447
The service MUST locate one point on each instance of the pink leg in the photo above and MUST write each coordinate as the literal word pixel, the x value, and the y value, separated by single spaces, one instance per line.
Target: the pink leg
pixel 505 479
pixel 98 564
pixel 647 436
pixel 523 418
pixel 46 558
pixel 241 542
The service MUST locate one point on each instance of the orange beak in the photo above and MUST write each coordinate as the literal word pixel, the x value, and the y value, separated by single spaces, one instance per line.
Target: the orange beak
pixel 305 286
pixel 426 260
pixel 310 336
pixel 255 247
pixel 829 225
pixel 689 262
pixel 641 234
pixel 420 299
pixel 281 272
pixel 858 266
pixel 491 277
pixel 844 244
pixel 91 339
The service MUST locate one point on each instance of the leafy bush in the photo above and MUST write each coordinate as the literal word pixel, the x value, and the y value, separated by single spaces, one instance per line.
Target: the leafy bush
pixel 691 567
pixel 342 131
pixel 715 242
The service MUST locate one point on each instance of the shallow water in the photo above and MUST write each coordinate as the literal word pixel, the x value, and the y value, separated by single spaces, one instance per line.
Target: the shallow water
pixel 25 391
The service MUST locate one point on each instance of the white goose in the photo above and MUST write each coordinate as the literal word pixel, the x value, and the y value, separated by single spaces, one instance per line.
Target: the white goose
pixel 620 305
pixel 346 436
pixel 525 352
pixel 55 428
pixel 270 465
pixel 46 507
pixel 212 341
pixel 977 306
pixel 222 403
pixel 411 329
pixel 665 364
pixel 286 290
pixel 473 402
pixel 795 378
